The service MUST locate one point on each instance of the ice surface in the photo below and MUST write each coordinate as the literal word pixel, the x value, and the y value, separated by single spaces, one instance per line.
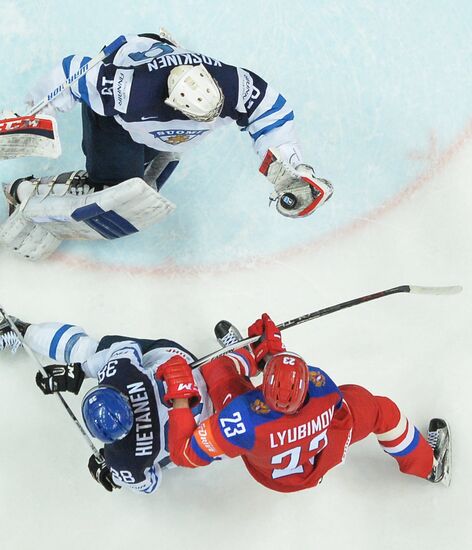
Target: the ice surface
pixel 382 96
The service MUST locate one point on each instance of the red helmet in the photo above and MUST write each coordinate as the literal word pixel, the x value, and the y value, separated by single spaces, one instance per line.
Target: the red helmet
pixel 285 382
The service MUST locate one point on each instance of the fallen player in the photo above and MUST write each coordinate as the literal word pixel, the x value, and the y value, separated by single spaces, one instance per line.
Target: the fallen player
pixel 290 431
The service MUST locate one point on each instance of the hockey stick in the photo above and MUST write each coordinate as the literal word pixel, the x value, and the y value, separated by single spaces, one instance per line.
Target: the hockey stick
pixel 34 357
pixel 433 290
pixel 30 135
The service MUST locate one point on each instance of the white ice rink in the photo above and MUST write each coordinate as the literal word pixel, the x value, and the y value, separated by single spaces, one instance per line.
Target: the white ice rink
pixel 414 349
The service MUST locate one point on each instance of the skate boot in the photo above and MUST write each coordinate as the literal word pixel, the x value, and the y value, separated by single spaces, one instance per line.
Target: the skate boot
pixel 439 437
pixel 227 334
pixel 8 338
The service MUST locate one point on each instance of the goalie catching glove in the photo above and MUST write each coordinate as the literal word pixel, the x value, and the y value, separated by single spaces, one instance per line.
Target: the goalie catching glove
pixel 60 378
pixel 298 192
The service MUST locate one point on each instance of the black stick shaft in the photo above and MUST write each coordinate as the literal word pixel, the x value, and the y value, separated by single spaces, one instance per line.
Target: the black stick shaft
pixel 342 305
pixel 303 319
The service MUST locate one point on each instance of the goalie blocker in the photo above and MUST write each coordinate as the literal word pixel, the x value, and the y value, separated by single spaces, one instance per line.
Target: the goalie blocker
pixel 47 211
pixel 22 136
pixel 297 191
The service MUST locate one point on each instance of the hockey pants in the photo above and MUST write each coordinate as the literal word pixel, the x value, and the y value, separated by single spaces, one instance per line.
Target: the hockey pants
pixel 111 154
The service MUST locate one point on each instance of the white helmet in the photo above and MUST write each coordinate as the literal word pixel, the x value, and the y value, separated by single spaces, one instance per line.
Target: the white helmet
pixel 194 92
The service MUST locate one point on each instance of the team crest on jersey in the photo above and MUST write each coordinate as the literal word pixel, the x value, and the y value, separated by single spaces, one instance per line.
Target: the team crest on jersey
pixel 317 378
pixel 259 407
pixel 175 137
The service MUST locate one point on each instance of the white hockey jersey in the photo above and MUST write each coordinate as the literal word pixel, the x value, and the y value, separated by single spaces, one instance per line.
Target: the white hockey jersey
pixel 137 460
pixel 131 85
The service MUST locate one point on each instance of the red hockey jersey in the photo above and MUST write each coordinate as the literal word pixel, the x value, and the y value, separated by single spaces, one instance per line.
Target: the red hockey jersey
pixel 283 452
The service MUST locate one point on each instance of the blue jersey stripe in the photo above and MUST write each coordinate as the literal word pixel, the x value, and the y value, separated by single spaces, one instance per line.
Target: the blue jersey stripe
pixel 201 454
pixel 70 344
pixel 276 124
pixel 66 62
pixel 83 84
pixel 411 447
pixel 279 103
pixel 55 341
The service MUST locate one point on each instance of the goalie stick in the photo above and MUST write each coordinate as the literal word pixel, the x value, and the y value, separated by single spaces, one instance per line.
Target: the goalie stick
pixel 31 135
pixel 433 290
pixel 34 357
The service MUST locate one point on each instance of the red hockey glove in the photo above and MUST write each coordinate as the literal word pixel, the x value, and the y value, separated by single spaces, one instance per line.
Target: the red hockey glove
pixel 270 342
pixel 177 374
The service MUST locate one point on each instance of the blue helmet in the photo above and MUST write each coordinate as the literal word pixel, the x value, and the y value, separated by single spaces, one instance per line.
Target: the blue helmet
pixel 107 413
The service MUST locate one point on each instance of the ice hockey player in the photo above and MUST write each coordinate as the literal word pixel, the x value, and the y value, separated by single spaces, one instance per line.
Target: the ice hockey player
pixel 296 426
pixel 142 107
pixel 127 410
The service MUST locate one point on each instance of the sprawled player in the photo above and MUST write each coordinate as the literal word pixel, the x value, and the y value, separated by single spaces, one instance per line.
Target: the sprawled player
pixel 126 411
pixel 142 107
pixel 297 425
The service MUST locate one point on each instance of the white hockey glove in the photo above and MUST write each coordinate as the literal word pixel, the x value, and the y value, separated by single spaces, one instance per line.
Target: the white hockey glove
pixel 297 191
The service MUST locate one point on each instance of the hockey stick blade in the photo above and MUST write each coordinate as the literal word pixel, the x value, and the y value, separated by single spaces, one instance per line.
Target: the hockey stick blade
pixel 436 290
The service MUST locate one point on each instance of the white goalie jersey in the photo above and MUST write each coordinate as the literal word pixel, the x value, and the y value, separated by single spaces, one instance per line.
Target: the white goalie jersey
pixel 131 86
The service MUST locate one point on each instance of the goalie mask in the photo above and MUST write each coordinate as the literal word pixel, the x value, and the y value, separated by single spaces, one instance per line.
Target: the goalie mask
pixel 285 382
pixel 107 414
pixel 195 93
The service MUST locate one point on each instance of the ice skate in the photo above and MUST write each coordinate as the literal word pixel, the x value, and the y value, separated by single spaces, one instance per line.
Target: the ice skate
pixel 227 334
pixel 439 437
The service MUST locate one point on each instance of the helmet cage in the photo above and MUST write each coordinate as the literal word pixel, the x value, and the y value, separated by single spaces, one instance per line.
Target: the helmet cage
pixel 195 93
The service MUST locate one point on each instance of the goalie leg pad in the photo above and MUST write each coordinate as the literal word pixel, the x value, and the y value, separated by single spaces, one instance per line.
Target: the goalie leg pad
pixel 27 238
pixel 109 214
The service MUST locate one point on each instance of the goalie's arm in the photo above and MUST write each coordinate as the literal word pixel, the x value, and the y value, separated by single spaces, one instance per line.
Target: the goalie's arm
pixel 269 120
pixel 72 95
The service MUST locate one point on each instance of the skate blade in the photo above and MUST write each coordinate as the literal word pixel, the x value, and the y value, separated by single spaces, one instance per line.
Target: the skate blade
pixel 447 476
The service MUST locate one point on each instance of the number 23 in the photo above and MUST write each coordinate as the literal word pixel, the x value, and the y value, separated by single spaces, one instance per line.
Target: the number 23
pixel 233 426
